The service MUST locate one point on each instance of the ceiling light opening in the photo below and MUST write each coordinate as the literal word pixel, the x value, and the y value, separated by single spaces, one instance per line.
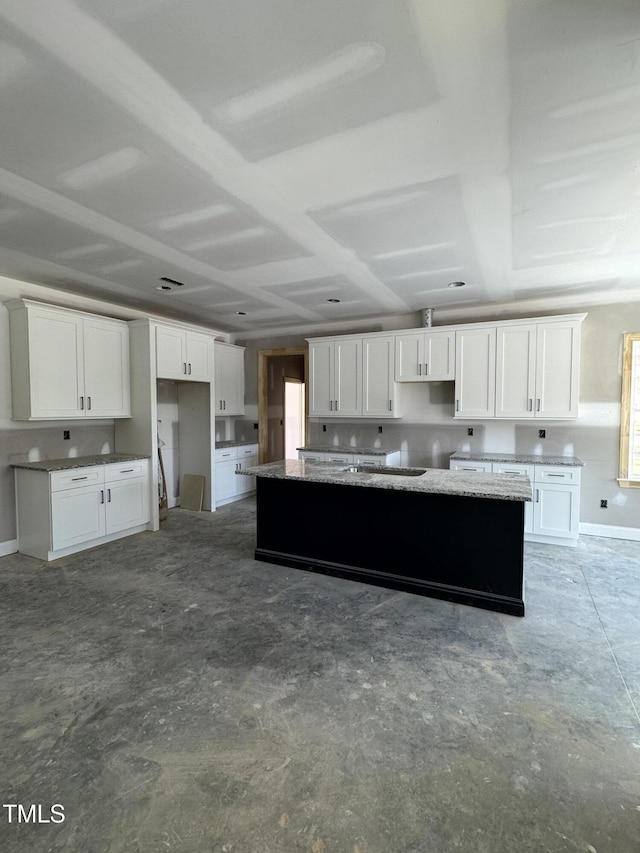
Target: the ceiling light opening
pixel 333 300
pixel 456 284
pixel 241 313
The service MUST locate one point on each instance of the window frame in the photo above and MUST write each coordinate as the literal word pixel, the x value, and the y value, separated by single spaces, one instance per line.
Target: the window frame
pixel 631 341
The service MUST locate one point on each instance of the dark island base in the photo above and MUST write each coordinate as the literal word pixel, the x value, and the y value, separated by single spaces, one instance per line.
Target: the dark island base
pixel 462 549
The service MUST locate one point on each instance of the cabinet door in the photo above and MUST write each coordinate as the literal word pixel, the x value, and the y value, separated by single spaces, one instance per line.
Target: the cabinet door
pixel 439 356
pixel 56 364
pixel 198 357
pixel 515 371
pixel 127 504
pixel 246 484
pixel 235 381
pixel 348 378
pixel 229 380
pixel 106 369
pixel 226 484
pixel 171 356
pixel 321 396
pixel 558 370
pixel 77 515
pixel 378 377
pixel 556 510
pixel 475 373
pixel 409 357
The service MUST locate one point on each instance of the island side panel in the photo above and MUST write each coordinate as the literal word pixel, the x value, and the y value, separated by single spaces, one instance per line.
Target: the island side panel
pixel 447 546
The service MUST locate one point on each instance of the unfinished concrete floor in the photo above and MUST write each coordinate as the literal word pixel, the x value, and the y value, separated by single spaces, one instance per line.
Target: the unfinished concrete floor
pixel 175 695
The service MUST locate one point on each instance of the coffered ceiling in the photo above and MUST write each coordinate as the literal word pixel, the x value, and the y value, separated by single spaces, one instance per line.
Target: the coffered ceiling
pixel 271 157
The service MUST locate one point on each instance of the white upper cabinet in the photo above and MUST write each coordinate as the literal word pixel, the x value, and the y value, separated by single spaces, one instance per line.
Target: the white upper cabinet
pixel 67 364
pixel 378 385
pixel 182 354
pixel 229 379
pixel 425 356
pixel 335 378
pixel 537 370
pixel 475 373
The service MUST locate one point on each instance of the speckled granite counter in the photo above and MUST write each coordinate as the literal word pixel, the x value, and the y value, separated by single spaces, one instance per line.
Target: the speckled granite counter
pixel 78 461
pixel 516 458
pixel 363 451
pixel 232 443
pixel 434 481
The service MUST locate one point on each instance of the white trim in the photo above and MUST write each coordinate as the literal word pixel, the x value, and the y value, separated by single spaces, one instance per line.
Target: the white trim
pixel 9 547
pixel 610 531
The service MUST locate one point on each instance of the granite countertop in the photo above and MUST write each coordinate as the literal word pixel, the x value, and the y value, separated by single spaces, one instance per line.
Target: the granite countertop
pixel 434 480
pixel 70 462
pixel 365 451
pixel 516 458
pixel 231 443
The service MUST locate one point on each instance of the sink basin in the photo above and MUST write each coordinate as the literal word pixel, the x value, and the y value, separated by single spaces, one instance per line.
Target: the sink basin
pixel 375 469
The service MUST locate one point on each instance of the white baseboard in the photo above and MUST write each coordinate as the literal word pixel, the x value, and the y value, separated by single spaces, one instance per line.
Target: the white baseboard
pixel 9 547
pixel 610 531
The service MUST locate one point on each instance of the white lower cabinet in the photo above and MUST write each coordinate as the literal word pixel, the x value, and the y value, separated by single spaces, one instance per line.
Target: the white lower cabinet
pixel 228 484
pixel 62 512
pixel 553 514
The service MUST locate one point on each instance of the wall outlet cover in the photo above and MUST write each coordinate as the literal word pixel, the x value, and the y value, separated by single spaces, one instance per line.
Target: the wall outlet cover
pixel 66 435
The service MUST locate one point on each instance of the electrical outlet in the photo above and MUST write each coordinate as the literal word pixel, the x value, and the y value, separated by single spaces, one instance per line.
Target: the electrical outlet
pixel 66 434
pixel 542 433
pixel 324 427
pixel 470 431
pixel 379 429
pixel 603 505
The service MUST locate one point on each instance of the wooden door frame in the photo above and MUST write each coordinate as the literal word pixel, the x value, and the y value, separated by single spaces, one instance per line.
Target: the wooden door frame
pixel 263 375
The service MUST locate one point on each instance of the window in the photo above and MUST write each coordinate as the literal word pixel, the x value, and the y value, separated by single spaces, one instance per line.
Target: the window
pixel 629 475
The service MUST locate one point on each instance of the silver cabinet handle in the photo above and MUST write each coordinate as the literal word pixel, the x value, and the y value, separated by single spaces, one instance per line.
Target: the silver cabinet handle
pixel 101 496
pixel 530 406
pixel 189 368
pixel 336 402
pixel 81 403
pixel 88 403
pixel 330 405
pixel 224 404
pixel 457 405
pixel 390 405
pixel 539 405
pixel 126 471
pixel 419 370
pixel 556 475
pixel 517 473
pixel 108 495
pixel 184 367
pixel 537 496
pixel 73 479
pixel 426 368
pixel 220 405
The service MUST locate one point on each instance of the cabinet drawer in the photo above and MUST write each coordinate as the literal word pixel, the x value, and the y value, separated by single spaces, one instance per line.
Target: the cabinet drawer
pixel 340 458
pixel 225 454
pixel 76 477
pixel 125 470
pixel 311 456
pixel 374 461
pixel 515 469
pixel 478 467
pixel 557 474
pixel 247 450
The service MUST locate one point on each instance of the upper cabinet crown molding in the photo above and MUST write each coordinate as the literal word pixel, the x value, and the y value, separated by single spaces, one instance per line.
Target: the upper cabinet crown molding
pixel 67 364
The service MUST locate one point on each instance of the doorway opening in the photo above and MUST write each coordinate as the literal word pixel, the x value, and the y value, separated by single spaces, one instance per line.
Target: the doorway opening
pixel 282 402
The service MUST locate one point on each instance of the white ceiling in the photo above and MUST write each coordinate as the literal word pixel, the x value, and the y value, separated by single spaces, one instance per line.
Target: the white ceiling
pixel 274 154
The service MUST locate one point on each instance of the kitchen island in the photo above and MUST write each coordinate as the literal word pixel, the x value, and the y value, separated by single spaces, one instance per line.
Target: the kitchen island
pixel 440 533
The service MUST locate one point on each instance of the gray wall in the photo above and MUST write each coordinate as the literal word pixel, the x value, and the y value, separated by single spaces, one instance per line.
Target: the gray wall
pixel 427 433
